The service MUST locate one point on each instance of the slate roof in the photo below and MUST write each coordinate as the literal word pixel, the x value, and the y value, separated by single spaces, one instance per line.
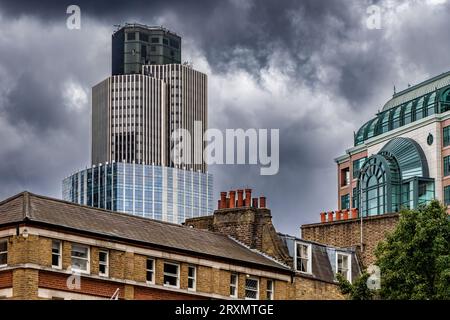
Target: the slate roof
pixel 323 258
pixel 40 210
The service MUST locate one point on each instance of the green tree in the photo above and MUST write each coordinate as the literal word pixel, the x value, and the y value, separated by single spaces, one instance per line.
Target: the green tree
pixel 357 290
pixel 415 259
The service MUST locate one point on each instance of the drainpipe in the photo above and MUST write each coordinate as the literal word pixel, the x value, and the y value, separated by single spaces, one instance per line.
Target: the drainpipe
pixel 362 244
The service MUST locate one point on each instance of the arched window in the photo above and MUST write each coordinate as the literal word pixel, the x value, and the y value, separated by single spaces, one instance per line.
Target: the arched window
pixel 431 104
pixel 371 129
pixel 397 175
pixel 396 120
pixel 419 109
pixel 372 187
pixel 385 122
pixel 407 114
pixel 359 138
pixel 445 100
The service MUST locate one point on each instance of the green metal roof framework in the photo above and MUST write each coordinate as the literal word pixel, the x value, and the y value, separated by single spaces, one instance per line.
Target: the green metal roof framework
pixel 404 114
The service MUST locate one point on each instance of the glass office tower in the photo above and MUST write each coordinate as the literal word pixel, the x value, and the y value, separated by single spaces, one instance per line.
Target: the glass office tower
pixel 156 192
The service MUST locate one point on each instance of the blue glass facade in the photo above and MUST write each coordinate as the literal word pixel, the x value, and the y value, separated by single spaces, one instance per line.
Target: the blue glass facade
pixel 161 193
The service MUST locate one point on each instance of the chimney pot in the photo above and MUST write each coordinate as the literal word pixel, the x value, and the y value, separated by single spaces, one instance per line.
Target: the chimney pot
pixel 223 200
pixel 248 197
pixel 330 216
pixel 338 215
pixel 240 201
pixel 219 205
pixel 255 203
pixel 262 202
pixel 232 199
pixel 323 217
pixel 345 215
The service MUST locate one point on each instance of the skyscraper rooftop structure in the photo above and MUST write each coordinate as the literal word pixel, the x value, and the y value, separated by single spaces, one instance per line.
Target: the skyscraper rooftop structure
pixel 135 45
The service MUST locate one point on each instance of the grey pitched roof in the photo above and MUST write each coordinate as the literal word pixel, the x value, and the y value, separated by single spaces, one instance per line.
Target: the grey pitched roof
pixel 27 207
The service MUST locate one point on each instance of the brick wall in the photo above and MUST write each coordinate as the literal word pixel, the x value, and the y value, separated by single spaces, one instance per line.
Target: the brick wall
pixel 100 288
pixel 249 225
pixel 309 289
pixel 348 234
pixel 157 294
pixel 25 284
pixel 32 249
pixel 5 279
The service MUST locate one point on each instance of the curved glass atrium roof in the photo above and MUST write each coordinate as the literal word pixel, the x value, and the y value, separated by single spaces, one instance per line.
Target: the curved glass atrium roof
pixel 409 155
pixel 437 101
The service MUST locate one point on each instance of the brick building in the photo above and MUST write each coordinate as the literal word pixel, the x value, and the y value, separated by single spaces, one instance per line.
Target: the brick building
pixel 347 233
pixel 51 249
pixel 313 264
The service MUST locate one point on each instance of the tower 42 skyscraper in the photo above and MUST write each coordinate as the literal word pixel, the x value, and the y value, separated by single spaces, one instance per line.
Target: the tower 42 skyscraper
pixel 133 118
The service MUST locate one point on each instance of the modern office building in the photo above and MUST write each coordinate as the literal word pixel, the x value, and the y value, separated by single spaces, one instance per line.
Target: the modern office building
pixel 134 116
pixel 151 191
pixel 188 105
pixel 129 120
pixel 135 45
pixel 401 157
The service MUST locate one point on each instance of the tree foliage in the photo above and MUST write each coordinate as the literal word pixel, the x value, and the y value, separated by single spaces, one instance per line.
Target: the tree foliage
pixel 357 290
pixel 415 259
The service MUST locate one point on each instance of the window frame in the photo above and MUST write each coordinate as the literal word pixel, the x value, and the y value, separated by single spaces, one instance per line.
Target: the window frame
pixel 234 285
pixel 349 261
pixel 5 240
pixel 446 136
pixel 88 259
pixel 59 265
pixel 251 289
pixel 356 167
pixel 345 201
pixel 106 263
pixel 309 259
pixel 447 196
pixel 345 177
pixel 129 37
pixel 152 281
pixel 193 278
pixel 446 166
pixel 270 291
pixel 171 275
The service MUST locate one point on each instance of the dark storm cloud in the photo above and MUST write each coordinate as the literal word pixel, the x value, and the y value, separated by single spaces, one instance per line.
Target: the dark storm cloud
pixel 232 31
pixel 328 64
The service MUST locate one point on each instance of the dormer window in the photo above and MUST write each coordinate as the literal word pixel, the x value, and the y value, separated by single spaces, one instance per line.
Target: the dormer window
pixel 303 258
pixel 343 265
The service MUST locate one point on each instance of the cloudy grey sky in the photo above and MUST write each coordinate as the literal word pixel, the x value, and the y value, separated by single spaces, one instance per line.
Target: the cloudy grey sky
pixel 310 68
